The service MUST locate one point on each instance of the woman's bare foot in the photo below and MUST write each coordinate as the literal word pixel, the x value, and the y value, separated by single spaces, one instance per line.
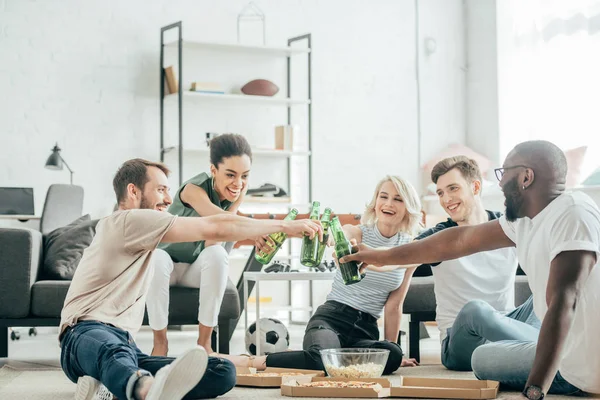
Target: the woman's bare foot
pixel 160 343
pixel 160 349
pixel 260 362
pixel 208 349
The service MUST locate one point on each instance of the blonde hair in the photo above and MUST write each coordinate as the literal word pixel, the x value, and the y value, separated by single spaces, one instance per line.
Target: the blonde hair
pixel 412 220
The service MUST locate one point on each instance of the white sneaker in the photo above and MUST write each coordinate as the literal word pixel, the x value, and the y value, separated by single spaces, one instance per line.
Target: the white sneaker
pixel 89 388
pixel 175 380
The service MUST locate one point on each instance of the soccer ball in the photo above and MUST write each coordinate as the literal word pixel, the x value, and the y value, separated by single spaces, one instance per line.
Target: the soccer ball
pixel 273 336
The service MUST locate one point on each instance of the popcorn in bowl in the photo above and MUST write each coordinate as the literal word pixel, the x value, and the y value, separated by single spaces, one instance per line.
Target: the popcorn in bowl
pixel 354 363
pixel 368 370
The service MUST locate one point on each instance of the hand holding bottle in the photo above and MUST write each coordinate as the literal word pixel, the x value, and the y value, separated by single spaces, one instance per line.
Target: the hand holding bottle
pixel 365 256
pixel 264 243
pixel 303 227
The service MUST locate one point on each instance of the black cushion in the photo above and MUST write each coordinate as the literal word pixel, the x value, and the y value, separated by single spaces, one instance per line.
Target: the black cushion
pixel 48 298
pixel 63 248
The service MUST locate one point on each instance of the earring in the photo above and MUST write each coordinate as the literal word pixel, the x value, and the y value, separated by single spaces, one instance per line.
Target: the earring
pixel 524 187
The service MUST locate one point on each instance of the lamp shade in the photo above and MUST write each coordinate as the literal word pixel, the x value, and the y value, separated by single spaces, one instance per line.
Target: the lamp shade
pixel 54 161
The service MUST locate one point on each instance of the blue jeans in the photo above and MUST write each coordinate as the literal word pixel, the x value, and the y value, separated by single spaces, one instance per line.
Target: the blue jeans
pixel 509 362
pixel 110 355
pixel 479 323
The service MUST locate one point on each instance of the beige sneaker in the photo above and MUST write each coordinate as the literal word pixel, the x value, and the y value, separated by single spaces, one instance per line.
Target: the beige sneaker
pixel 175 380
pixel 89 388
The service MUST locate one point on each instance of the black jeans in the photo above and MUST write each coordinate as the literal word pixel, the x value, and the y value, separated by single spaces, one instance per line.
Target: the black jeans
pixel 110 355
pixel 335 325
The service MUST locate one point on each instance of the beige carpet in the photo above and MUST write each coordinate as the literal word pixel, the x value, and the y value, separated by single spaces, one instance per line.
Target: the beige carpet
pixel 46 383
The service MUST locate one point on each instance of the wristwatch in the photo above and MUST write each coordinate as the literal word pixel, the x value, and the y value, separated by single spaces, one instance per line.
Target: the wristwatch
pixel 533 392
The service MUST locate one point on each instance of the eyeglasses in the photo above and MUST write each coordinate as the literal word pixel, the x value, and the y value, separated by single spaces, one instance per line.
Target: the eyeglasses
pixel 500 171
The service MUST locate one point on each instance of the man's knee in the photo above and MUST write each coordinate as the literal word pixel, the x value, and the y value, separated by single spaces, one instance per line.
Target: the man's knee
pixel 477 309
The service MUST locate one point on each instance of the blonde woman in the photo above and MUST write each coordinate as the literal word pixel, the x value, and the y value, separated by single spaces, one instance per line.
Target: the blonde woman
pixel 349 316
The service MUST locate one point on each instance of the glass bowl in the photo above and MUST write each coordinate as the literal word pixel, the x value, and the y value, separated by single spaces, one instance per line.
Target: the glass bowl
pixel 354 363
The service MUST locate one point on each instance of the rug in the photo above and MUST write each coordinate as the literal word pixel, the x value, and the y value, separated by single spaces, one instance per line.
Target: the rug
pixel 52 384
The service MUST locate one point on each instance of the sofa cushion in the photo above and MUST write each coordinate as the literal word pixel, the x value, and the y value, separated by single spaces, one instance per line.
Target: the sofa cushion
pixel 48 297
pixel 420 296
pixel 20 253
pixel 522 290
pixel 63 248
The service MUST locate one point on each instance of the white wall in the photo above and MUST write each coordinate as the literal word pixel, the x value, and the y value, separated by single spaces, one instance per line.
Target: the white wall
pixel 442 76
pixel 482 79
pixel 84 74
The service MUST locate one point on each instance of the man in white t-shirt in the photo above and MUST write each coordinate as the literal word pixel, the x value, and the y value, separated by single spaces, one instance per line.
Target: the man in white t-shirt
pixel 475 294
pixel 557 235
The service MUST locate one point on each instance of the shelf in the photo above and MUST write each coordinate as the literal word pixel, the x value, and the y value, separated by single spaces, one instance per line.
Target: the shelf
pixel 19 217
pixel 255 152
pixel 265 50
pixel 282 101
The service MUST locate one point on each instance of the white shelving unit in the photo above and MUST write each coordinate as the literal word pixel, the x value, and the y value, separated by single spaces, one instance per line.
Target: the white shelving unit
pixel 266 50
pixel 197 99
pixel 263 58
pixel 200 96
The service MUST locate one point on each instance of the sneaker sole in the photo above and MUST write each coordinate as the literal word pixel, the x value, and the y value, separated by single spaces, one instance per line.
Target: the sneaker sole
pixel 183 375
pixel 86 388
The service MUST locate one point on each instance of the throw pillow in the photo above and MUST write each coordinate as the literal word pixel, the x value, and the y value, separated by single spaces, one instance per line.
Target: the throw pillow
pixel 593 179
pixel 575 159
pixel 63 248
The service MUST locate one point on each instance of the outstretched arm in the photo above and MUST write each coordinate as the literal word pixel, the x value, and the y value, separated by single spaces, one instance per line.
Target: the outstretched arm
pixel 568 273
pixel 228 227
pixel 448 244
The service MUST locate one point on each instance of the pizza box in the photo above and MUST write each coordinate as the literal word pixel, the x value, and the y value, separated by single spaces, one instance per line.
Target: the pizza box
pixel 435 388
pixel 269 381
pixel 289 387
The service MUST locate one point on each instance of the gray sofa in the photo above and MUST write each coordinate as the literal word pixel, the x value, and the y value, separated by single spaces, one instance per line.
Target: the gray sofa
pixel 420 306
pixel 27 301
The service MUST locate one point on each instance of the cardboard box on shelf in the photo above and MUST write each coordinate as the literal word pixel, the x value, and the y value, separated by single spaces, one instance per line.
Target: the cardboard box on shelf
pixel 290 387
pixel 244 376
pixel 284 137
pixel 435 388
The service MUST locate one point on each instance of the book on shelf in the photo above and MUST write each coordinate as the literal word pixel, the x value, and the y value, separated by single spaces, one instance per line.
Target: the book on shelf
pixel 207 87
pixel 172 83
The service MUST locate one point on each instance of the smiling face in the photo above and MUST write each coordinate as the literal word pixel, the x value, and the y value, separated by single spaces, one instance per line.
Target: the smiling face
pixel 155 195
pixel 390 207
pixel 457 195
pixel 231 176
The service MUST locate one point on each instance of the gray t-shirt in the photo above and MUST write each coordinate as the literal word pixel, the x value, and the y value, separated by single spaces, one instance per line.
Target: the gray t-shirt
pixel 370 294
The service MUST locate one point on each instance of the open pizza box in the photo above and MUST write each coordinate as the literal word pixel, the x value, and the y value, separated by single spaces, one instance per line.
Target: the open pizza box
pixel 374 387
pixel 435 388
pixel 267 378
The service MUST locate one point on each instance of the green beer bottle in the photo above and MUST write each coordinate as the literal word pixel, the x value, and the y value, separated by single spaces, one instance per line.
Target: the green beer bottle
pixel 265 257
pixel 308 253
pixel 349 270
pixel 325 220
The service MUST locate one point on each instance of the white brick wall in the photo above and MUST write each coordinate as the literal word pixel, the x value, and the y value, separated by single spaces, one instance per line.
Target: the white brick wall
pixel 84 74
